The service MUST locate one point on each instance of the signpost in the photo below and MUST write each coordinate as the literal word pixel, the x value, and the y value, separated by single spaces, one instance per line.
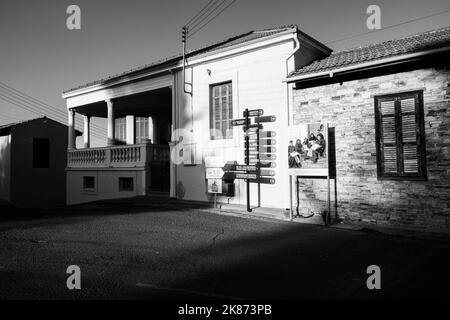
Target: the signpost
pixel 259 146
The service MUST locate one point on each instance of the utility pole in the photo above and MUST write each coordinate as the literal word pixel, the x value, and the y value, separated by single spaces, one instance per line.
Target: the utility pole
pixel 184 31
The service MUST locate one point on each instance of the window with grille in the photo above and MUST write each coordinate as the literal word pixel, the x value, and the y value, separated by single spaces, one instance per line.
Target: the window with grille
pixel 221 111
pixel 141 129
pixel 121 131
pixel 400 137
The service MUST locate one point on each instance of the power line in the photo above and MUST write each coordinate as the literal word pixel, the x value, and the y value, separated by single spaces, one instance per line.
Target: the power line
pixel 30 108
pixel 213 8
pixel 210 20
pixel 35 101
pixel 24 98
pixel 200 13
pixel 23 104
pixel 388 27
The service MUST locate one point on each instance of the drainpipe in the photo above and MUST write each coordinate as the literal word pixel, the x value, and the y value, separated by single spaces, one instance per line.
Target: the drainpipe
pixel 297 47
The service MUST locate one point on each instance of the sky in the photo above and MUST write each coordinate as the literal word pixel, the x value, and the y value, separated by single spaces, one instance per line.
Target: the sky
pixel 41 57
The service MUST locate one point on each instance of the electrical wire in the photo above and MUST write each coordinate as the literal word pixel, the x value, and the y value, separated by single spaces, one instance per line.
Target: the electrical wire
pixel 210 20
pixel 216 5
pixel 200 13
pixel 388 27
pixel 37 102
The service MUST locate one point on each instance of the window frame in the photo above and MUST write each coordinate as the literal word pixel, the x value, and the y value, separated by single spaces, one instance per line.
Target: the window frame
pixel 212 119
pixel 90 190
pixel 420 137
pixel 120 184
pixel 120 128
pixel 139 124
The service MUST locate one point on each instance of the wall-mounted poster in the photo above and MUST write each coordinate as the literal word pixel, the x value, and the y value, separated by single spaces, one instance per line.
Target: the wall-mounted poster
pixel 311 149
pixel 308 146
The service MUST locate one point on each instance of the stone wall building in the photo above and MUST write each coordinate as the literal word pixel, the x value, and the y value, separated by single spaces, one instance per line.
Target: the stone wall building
pixel 389 105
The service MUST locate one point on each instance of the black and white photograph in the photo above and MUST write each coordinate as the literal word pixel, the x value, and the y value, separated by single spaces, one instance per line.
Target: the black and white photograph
pixel 216 158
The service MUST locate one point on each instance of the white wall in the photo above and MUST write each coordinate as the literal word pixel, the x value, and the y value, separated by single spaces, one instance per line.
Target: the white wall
pixel 106 185
pixel 5 167
pixel 257 83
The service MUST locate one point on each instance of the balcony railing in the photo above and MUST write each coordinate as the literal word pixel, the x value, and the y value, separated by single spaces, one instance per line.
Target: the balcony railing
pixel 127 156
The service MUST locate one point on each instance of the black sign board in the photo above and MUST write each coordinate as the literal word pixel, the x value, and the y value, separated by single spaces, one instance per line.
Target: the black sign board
pixel 246 168
pixel 267 165
pixel 253 113
pixel 246 176
pixel 267 142
pixel 265 119
pixel 265 172
pixel 258 151
pixel 240 122
pixel 263 180
pixel 252 126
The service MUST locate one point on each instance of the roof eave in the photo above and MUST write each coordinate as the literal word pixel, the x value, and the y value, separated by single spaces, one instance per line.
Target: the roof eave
pixel 361 66
pixel 169 65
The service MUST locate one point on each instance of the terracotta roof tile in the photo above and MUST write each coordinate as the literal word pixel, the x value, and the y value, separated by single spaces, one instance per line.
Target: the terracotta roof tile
pixel 411 44
pixel 242 38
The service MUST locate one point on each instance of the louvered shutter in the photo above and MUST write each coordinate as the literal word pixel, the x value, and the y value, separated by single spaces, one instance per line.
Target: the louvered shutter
pixel 400 135
pixel 388 138
pixel 410 130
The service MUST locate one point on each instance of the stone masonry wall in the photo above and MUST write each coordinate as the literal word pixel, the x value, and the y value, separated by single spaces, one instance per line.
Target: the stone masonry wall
pixel 417 205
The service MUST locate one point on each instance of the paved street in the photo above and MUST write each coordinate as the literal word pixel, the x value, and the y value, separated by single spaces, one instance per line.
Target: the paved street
pixel 149 252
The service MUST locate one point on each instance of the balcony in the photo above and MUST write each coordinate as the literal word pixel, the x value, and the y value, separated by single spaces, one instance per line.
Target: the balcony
pixel 126 156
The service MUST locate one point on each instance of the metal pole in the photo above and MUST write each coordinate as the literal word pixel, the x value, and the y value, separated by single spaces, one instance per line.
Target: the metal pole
pixel 247 157
pixel 258 168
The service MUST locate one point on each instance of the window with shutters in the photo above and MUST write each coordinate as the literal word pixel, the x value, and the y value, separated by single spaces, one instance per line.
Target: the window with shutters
pixel 221 111
pixel 141 129
pixel 400 136
pixel 121 130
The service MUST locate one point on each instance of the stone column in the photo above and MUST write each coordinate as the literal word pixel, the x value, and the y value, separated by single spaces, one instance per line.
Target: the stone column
pixel 150 129
pixel 87 131
pixel 71 145
pixel 111 123
pixel 155 130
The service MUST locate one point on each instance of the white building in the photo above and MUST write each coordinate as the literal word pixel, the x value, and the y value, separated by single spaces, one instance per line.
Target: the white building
pixel 150 102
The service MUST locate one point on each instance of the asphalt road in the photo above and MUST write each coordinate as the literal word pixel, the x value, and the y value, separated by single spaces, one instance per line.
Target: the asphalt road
pixel 138 252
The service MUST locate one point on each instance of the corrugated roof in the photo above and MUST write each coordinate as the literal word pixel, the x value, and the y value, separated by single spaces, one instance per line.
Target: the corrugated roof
pixel 242 38
pixel 411 44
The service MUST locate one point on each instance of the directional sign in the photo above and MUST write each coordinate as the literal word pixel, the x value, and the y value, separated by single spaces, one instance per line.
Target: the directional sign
pixel 263 180
pixel 266 134
pixel 253 113
pixel 246 176
pixel 245 168
pixel 214 173
pixel 252 126
pixel 265 172
pixel 240 122
pixel 266 119
pixel 267 149
pixel 267 165
pixel 268 142
pixel 267 156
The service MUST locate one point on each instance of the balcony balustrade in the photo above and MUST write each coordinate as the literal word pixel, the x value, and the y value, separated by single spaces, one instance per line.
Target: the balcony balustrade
pixel 126 156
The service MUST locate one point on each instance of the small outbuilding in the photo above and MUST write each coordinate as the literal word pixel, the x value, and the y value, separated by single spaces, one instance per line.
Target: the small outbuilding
pixel 33 158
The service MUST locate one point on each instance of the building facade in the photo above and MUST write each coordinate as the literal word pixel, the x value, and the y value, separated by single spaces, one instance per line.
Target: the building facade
pixel 190 106
pixel 390 112
pixel 387 104
pixel 33 158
